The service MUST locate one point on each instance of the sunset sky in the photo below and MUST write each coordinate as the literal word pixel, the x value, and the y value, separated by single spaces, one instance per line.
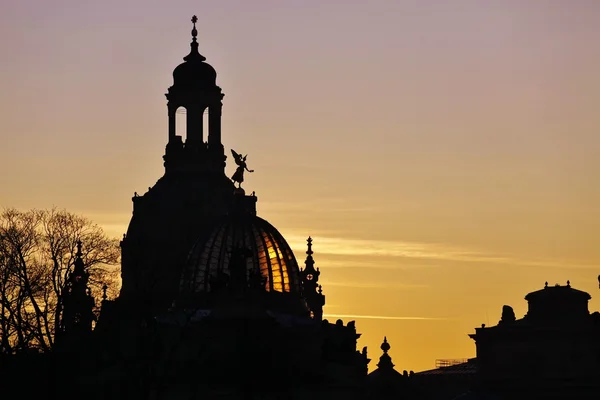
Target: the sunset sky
pixel 444 155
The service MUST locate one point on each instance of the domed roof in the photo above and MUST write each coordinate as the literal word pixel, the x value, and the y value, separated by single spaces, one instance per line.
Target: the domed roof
pixel 194 71
pixel 269 254
pixel 558 293
pixel 553 303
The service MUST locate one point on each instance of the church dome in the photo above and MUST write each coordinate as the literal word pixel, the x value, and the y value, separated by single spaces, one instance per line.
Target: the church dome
pixel 554 303
pixel 269 255
pixel 194 71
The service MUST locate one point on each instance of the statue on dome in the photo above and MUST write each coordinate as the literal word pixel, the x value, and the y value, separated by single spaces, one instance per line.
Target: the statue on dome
pixel 238 176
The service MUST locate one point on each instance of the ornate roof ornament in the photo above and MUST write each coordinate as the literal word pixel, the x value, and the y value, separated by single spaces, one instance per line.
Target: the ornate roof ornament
pixel 385 361
pixel 194 54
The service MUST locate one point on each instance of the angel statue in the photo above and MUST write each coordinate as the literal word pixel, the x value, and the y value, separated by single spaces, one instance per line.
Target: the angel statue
pixel 238 176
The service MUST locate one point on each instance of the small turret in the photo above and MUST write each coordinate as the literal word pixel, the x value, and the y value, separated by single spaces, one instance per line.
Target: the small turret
pixel 195 90
pixel 385 382
pixel 77 302
pixel 313 292
pixel 385 361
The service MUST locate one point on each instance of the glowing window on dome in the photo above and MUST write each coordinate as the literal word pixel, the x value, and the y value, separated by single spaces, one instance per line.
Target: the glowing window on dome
pixel 263 265
pixel 271 248
pixel 273 262
pixel 284 270
pixel 278 267
pixel 291 268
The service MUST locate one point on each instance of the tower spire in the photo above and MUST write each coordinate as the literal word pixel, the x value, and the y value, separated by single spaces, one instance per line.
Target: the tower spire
pixel 313 292
pixel 195 89
pixel 194 31
pixel 385 361
pixel 310 262
pixel 78 303
pixel 194 54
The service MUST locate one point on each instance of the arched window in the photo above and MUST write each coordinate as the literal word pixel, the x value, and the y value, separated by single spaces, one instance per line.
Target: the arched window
pixel 205 124
pixel 181 122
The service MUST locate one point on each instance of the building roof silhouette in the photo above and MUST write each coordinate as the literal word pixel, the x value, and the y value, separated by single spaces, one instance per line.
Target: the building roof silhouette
pixel 194 72
pixel 557 303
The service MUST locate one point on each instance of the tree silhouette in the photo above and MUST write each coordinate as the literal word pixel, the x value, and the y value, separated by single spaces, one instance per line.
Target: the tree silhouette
pixel 37 254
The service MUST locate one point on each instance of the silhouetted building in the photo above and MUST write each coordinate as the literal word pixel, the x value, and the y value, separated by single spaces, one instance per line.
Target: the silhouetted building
pixel 552 352
pixel 213 302
pixel 450 378
pixel 387 383
pixel 75 326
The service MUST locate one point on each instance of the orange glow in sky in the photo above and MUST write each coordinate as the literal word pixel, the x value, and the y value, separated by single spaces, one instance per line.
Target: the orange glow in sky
pixel 444 156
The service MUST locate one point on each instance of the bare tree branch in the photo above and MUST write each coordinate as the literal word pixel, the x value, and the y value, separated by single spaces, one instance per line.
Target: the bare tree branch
pixel 37 254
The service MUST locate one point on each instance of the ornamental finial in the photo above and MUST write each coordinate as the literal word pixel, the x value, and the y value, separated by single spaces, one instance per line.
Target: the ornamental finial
pixel 309 241
pixel 385 346
pixel 194 55
pixel 194 30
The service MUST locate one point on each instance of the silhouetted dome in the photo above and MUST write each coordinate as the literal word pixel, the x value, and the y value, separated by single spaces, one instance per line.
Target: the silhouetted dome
pixel 269 253
pixel 557 302
pixel 194 73
pixel 558 293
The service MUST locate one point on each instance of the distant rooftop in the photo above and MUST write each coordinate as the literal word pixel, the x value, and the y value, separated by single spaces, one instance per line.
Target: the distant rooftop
pixel 467 367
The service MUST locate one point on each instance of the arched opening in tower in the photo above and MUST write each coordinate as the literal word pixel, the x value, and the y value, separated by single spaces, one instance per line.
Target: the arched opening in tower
pixel 205 125
pixel 181 122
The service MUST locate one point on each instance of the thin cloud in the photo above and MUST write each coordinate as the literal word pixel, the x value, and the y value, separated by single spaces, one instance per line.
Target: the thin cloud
pixel 385 317
pixel 364 285
pixel 361 247
pixel 426 251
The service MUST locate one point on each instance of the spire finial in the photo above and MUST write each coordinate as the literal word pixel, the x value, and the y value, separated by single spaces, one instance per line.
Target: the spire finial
pixel 385 346
pixel 309 241
pixel 194 54
pixel 104 288
pixel 79 253
pixel 385 361
pixel 194 30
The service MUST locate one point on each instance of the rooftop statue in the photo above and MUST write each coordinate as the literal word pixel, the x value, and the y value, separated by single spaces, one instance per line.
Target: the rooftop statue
pixel 238 176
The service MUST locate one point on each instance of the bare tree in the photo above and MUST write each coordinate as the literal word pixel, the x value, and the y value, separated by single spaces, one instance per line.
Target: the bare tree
pixel 37 254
